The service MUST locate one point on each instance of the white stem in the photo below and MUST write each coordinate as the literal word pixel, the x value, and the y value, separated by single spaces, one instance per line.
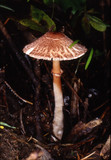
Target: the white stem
pixel 58 112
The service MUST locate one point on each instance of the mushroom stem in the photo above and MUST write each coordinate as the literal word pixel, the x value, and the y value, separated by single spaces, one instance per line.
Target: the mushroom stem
pixel 58 112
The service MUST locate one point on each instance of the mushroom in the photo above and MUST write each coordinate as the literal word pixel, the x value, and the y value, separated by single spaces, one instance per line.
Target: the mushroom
pixel 55 46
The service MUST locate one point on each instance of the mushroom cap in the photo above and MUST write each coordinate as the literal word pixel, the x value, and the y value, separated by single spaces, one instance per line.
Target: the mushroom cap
pixel 54 46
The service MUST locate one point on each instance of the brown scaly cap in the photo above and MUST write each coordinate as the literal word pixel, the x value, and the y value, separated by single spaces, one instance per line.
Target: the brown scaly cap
pixel 54 46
